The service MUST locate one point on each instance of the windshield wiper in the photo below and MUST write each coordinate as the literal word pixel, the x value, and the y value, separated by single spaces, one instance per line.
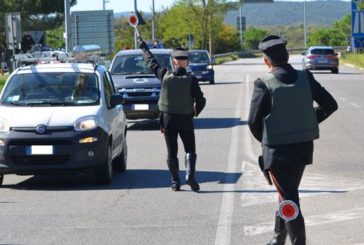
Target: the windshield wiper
pixel 10 103
pixel 143 72
pixel 50 103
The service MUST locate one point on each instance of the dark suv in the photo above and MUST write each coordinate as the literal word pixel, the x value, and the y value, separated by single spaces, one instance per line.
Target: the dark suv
pixel 138 85
pixel 201 65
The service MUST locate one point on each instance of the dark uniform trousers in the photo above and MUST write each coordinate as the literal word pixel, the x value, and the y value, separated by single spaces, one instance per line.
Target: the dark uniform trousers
pixel 287 180
pixel 187 137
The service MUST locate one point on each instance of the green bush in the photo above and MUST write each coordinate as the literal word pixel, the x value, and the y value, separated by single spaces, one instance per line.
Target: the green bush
pixel 2 81
pixel 354 59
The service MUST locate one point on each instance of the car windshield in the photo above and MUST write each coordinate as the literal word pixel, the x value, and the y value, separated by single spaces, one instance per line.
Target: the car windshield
pixel 322 51
pixel 52 89
pixel 135 64
pixel 199 57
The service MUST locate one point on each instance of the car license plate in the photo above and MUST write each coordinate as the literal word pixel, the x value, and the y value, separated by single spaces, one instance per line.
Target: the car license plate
pixel 40 150
pixel 141 107
pixel 322 60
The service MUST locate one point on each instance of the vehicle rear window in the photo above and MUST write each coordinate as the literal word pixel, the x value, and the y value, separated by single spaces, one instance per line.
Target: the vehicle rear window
pixel 199 57
pixel 322 51
pixel 135 64
pixel 70 88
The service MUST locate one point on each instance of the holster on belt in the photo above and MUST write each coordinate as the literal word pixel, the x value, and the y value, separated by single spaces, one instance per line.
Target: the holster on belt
pixel 265 171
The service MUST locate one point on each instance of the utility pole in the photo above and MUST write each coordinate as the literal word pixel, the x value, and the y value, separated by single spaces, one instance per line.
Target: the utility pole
pixel 304 23
pixel 153 21
pixel 104 2
pixel 241 24
pixel 67 17
pixel 135 33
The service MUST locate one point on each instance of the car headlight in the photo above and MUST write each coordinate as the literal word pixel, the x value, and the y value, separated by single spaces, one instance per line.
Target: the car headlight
pixel 4 126
pixel 209 67
pixel 86 123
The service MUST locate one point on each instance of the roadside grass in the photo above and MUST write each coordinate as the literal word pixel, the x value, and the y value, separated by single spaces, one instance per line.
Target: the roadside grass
pixel 227 58
pixel 2 80
pixel 354 59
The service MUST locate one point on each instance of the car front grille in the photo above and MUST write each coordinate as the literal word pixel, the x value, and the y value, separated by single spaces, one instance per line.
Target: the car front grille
pixel 40 159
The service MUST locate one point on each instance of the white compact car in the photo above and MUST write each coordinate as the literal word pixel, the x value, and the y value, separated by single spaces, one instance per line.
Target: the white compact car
pixel 64 117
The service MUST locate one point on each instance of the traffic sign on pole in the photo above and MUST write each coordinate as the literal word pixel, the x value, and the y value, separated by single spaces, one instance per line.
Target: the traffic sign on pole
pixel 357 20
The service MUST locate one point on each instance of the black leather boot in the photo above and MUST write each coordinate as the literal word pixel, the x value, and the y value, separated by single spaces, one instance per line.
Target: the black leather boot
pixel 296 231
pixel 280 232
pixel 190 161
pixel 173 167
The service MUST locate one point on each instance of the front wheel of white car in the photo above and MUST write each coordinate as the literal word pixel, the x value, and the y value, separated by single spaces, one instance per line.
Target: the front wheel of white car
pixel 120 162
pixel 103 174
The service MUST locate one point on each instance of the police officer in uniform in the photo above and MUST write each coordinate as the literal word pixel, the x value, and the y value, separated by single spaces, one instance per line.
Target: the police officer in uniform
pixel 180 100
pixel 282 117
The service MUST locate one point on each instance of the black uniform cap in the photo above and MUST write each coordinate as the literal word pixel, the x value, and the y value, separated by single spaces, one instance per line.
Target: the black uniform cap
pixel 272 43
pixel 180 53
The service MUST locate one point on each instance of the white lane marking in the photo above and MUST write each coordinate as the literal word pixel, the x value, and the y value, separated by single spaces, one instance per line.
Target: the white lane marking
pixel 342 98
pixel 355 105
pixel 223 233
pixel 313 220
pixel 257 191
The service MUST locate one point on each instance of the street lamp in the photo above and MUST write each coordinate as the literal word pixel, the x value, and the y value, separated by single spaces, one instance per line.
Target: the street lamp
pixel 241 23
pixel 67 16
pixel 153 21
pixel 135 32
pixel 304 23
pixel 104 2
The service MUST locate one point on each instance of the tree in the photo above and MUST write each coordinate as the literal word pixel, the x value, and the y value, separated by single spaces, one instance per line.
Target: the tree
pixel 227 40
pixel 35 14
pixel 252 37
pixel 124 33
pixel 201 18
pixel 335 36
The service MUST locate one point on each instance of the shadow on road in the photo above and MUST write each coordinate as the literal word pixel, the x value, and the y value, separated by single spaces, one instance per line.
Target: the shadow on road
pixel 131 179
pixel 143 125
pixel 200 123
pixel 219 83
pixel 272 191
pixel 215 123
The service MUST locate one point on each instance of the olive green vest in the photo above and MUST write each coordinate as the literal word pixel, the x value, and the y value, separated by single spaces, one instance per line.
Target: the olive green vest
pixel 292 118
pixel 176 97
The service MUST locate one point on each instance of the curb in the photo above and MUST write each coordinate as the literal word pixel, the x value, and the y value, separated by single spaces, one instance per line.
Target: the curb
pixel 353 66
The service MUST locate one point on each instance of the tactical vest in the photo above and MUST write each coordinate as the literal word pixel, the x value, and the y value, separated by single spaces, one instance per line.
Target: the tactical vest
pixel 292 118
pixel 176 97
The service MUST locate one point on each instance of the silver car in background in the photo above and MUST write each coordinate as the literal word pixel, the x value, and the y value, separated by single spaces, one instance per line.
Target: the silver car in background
pixel 320 58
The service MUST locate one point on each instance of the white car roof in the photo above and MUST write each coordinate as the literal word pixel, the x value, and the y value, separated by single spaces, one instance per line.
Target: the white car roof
pixel 58 67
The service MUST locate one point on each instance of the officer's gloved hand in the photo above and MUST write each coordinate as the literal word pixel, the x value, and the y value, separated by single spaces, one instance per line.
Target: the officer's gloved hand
pixel 197 111
pixel 142 45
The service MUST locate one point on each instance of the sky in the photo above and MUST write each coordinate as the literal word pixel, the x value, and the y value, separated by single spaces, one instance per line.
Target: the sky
pixel 128 5
pixel 122 5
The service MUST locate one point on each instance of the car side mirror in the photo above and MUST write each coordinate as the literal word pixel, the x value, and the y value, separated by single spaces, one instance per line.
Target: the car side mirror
pixel 303 53
pixel 116 99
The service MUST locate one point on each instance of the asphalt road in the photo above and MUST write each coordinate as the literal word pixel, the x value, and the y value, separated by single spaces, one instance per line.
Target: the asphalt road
pixel 235 205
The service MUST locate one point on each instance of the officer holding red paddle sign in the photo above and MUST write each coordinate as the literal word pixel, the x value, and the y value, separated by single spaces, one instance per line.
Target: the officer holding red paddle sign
pixel 181 99
pixel 283 119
